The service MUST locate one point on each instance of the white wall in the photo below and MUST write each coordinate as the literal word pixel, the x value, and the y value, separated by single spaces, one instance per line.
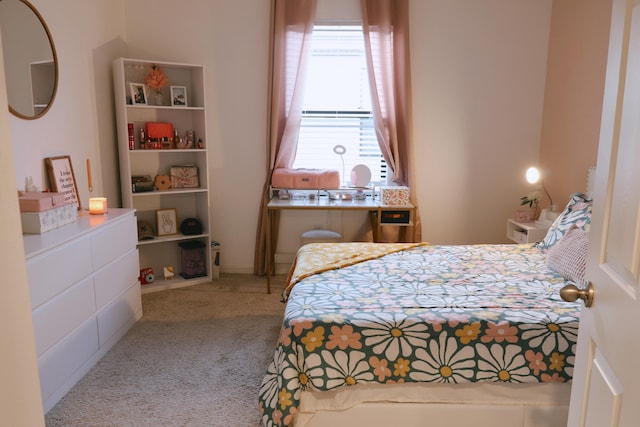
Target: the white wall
pixel 231 39
pixel 579 45
pixel 478 77
pixel 478 72
pixel 75 125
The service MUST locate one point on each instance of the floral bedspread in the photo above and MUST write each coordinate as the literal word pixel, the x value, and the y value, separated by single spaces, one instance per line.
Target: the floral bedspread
pixel 440 314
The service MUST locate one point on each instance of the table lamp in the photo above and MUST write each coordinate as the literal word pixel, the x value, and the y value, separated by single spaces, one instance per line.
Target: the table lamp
pixel 547 216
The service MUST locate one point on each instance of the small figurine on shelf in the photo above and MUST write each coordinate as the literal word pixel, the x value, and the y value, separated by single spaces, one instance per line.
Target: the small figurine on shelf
pixel 168 272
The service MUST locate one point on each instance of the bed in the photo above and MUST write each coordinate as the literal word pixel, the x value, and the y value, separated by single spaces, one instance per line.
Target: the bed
pixel 381 334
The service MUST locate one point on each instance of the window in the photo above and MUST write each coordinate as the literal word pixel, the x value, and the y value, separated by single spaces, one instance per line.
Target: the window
pixel 337 107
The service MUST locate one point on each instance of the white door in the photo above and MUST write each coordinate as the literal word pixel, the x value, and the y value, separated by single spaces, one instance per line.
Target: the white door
pixel 606 385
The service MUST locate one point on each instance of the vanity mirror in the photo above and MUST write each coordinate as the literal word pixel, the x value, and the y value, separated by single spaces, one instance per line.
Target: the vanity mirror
pixel 360 176
pixel 30 61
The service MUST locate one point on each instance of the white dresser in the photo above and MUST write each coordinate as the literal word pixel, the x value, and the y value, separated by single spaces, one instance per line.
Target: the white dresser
pixel 85 295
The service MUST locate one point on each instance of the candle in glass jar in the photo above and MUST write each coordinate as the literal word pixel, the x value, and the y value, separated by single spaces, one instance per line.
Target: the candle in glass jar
pixel 97 205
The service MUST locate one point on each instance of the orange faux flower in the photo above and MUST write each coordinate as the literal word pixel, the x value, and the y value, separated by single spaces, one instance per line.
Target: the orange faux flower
pixel 156 78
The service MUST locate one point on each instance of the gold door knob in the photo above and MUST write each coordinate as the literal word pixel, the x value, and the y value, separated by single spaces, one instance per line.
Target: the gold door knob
pixel 571 293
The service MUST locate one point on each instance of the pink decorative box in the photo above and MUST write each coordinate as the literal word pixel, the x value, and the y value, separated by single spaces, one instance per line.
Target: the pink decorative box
pixel 394 196
pixel 300 179
pixel 184 176
pixel 38 202
pixel 522 215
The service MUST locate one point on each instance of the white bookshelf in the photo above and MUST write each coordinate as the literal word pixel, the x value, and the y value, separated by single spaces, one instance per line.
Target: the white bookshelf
pixel 188 202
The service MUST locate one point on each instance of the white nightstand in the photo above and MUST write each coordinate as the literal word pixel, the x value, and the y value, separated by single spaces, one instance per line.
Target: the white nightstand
pixel 525 232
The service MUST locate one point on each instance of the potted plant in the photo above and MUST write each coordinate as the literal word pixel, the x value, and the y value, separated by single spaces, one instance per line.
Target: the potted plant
pixel 532 199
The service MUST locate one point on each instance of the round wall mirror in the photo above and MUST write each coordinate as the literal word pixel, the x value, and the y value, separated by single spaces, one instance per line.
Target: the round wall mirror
pixel 30 61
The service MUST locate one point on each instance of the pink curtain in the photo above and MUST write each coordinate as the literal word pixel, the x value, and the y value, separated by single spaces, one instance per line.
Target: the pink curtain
pixel 291 29
pixel 386 36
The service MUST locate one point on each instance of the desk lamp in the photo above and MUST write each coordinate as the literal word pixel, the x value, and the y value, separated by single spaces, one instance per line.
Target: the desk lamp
pixel 547 216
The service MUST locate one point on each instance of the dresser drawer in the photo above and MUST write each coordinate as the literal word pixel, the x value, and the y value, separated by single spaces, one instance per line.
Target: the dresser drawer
pixel 54 320
pixel 113 241
pixel 118 316
pixel 61 364
pixel 50 274
pixel 115 278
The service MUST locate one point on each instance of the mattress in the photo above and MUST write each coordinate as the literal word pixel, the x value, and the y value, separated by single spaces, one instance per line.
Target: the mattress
pixel 362 314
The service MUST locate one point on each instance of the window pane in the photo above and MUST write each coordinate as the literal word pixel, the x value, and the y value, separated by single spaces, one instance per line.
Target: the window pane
pixel 337 107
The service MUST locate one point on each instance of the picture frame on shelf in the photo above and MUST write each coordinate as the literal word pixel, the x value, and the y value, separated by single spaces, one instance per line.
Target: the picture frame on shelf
pixel 179 96
pixel 138 94
pixel 166 222
pixel 62 179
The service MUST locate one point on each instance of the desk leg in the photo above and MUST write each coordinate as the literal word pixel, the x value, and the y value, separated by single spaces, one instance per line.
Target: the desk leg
pixel 268 251
pixel 374 220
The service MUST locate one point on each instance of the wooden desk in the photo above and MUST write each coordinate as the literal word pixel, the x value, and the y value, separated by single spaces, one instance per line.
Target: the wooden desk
pixel 372 205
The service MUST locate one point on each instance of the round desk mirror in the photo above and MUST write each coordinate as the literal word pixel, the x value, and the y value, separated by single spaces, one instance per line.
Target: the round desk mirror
pixel 30 61
pixel 360 176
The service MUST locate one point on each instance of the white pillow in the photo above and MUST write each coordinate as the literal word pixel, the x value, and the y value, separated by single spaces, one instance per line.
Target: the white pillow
pixel 568 256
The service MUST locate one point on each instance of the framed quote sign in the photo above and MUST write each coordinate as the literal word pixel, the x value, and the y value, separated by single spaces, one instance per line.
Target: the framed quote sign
pixel 62 179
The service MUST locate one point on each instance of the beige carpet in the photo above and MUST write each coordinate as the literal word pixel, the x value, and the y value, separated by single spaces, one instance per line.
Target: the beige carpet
pixel 196 358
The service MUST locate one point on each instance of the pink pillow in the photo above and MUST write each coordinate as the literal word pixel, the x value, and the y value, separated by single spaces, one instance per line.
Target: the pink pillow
pixel 568 256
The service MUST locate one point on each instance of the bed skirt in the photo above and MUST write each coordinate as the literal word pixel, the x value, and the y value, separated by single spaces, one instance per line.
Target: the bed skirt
pixel 451 405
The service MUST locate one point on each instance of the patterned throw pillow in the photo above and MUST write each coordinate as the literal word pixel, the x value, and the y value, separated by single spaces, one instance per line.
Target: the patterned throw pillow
pixel 569 256
pixel 577 212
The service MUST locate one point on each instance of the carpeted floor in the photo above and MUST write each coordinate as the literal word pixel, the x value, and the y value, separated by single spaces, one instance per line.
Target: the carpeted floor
pixel 196 358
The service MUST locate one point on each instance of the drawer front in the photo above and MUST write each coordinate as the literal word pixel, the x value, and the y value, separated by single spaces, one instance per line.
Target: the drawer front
pixel 116 318
pixel 116 277
pixel 54 271
pixel 520 236
pixel 113 241
pixel 395 217
pixel 62 362
pixel 54 320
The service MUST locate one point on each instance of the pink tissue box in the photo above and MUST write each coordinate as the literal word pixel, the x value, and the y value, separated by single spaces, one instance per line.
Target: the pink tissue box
pixel 394 196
